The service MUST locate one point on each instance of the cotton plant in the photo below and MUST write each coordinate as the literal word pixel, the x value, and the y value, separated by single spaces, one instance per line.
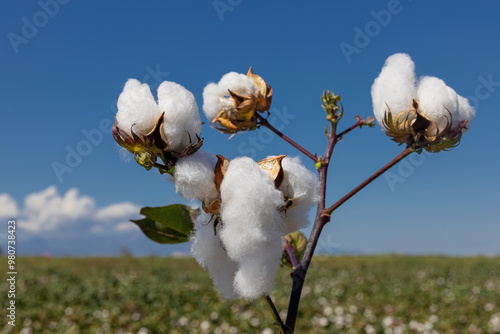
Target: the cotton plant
pixel 249 216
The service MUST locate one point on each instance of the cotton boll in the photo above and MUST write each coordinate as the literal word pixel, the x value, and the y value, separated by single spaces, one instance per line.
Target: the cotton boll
pixel 136 107
pixel 257 273
pixel 207 249
pixel 213 94
pixel 436 99
pixel 395 86
pixel 182 120
pixel 194 176
pixel 250 204
pixel 302 187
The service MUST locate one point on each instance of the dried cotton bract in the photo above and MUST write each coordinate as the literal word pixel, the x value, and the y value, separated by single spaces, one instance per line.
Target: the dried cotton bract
pixel 168 129
pixel 424 114
pixel 231 104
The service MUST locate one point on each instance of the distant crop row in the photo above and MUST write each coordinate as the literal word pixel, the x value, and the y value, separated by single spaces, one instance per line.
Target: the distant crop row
pixel 379 294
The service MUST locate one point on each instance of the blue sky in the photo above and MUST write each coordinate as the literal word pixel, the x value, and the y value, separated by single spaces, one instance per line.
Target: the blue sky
pixel 63 65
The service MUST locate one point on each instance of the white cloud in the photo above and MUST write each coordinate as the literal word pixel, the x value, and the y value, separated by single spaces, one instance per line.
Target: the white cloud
pixel 8 206
pixel 48 211
pixel 125 210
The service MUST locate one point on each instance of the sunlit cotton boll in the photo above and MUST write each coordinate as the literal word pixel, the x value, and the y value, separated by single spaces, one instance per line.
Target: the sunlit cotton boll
pixel 182 120
pixel 207 249
pixel 136 107
pixel 214 93
pixel 194 176
pixel 302 187
pixel 436 99
pixel 253 226
pixel 395 86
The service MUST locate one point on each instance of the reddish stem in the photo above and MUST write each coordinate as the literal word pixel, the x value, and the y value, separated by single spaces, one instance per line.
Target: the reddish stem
pixel 280 134
pixel 366 182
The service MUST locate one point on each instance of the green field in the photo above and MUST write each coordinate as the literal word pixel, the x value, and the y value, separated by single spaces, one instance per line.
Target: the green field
pixel 361 294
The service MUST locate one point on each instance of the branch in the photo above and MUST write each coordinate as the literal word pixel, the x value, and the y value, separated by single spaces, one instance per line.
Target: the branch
pixel 359 121
pixel 381 171
pixel 299 274
pixel 276 315
pixel 265 123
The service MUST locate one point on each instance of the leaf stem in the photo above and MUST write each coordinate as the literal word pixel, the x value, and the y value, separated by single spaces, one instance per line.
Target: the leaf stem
pixel 291 254
pixel 280 134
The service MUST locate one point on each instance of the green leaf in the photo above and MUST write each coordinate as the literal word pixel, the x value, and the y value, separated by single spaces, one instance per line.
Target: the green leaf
pixel 167 224
pixel 159 233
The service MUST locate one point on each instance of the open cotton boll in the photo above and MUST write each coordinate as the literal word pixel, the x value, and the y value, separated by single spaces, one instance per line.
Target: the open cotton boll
pixel 182 119
pixel 436 99
pixel 206 248
pixel 395 86
pixel 302 187
pixel 136 107
pixel 213 94
pixel 194 176
pixel 250 204
pixel 257 272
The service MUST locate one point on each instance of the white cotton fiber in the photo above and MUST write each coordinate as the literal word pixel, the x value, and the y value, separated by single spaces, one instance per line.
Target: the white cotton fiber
pixel 302 187
pixel 253 226
pixel 137 108
pixel 257 273
pixel 207 249
pixel 182 120
pixel 194 176
pixel 213 93
pixel 435 97
pixel 250 205
pixel 395 86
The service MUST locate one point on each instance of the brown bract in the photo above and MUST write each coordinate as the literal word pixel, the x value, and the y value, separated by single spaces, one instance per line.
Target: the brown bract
pixel 238 111
pixel 413 128
pixel 148 148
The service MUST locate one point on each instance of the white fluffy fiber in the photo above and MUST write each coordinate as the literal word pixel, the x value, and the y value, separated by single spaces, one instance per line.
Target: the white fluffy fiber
pixel 433 94
pixel 214 93
pixel 396 85
pixel 136 107
pixel 253 226
pixel 302 187
pixel 182 119
pixel 207 249
pixel 194 176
